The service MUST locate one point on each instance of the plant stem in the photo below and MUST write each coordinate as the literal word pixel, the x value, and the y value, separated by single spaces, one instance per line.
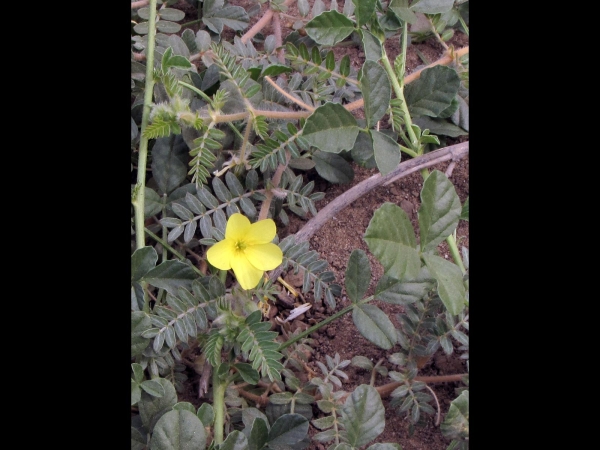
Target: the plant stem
pixel 321 324
pixel 138 197
pixel 166 246
pixel 455 253
pixel 405 168
pixel 218 406
pixel 399 91
pixel 316 327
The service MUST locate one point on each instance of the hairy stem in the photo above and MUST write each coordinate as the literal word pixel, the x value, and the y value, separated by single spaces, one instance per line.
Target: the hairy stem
pixel 297 101
pixel 138 197
pixel 166 246
pixel 218 406
pixel 399 91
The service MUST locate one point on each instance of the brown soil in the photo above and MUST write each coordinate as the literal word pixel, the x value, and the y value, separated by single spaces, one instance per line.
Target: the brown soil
pixel 344 233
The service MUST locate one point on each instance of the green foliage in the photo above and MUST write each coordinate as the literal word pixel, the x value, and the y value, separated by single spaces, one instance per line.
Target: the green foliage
pixel 248 125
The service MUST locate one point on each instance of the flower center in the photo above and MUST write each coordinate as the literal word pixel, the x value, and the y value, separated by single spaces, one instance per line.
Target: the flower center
pixel 240 246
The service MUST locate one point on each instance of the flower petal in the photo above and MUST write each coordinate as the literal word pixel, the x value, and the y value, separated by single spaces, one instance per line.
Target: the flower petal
pixel 221 254
pixel 264 256
pixel 261 232
pixel 247 275
pixel 238 227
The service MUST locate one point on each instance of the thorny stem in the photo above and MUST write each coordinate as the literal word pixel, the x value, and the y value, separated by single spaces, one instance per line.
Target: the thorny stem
pixel 405 168
pixel 138 196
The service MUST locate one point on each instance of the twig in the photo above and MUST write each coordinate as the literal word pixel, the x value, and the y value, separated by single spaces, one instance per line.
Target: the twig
pixel 450 168
pixel 139 4
pixel 264 20
pixel 447 59
pixel 289 96
pixel 437 416
pixel 278 42
pixel 374 371
pixel 324 215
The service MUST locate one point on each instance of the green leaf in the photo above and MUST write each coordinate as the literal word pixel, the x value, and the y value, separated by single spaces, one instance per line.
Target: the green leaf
pixel 288 430
pixel 362 362
pixel 401 9
pixel 259 434
pixel 363 10
pixel 169 275
pixel 167 27
pixel 206 414
pixel 451 288
pixel 432 92
pixel 461 115
pixel 275 69
pixel 152 408
pixel 282 398
pixel 142 261
pixel 185 406
pixel 189 38
pixel 371 46
pixel 170 14
pixel 432 6
pixel 153 387
pixel 140 322
pixel 332 167
pixel 439 126
pixel 178 430
pixel 329 28
pixel 464 214
pixel 456 422
pixel 362 152
pixel 152 203
pixel 358 275
pixel 385 446
pixel 386 151
pixel 138 372
pixel 235 17
pixel 169 168
pixel 363 415
pixel 136 392
pixel 248 374
pixel 142 28
pixel 250 414
pixel 376 90
pixel 391 238
pixel 374 325
pixel 179 62
pixel 399 292
pixel 331 128
pixel 236 440
pixel 439 212
pixel 138 441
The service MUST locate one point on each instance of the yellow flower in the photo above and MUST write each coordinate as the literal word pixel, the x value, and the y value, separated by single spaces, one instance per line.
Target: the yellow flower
pixel 247 249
